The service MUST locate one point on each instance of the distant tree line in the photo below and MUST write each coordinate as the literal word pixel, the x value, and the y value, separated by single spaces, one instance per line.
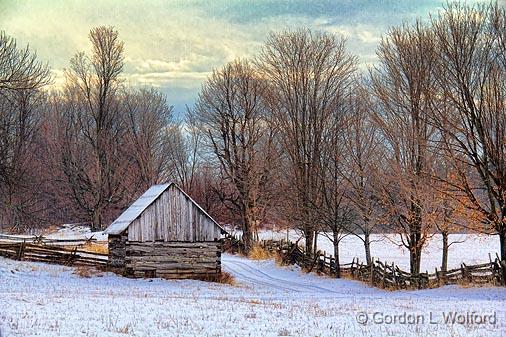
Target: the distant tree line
pixel 84 152
pixel 297 136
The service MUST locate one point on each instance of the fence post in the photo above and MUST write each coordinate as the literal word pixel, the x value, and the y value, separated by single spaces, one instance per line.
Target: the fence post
pixel 21 250
pixel 468 273
pixel 73 256
pixel 324 260
pixel 393 275
pixel 463 271
pixel 384 275
pixel 372 272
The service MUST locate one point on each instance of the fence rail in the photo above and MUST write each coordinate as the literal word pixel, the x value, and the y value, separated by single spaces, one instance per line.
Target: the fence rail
pixel 383 275
pixel 40 239
pixel 52 254
pixel 377 273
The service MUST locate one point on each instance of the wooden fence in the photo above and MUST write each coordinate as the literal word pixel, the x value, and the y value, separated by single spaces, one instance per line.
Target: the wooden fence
pixel 388 276
pixel 38 252
pixel 377 273
pixel 40 239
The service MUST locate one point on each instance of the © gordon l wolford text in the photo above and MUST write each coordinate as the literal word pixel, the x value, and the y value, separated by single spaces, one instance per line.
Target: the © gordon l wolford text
pixel 448 317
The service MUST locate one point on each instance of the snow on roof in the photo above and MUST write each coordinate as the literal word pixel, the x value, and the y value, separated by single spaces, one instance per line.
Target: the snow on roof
pixel 136 209
pixel 132 212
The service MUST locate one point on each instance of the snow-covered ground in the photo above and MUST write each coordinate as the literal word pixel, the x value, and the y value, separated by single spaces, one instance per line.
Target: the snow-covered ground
pixel 267 300
pixel 467 248
pixel 65 232
pixel 49 300
pixel 76 232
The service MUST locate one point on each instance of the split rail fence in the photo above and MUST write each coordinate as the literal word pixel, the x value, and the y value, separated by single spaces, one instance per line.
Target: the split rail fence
pixel 377 273
pixel 64 252
pixel 383 275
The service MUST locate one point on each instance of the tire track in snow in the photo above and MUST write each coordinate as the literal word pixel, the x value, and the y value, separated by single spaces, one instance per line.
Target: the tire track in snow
pixel 257 276
pixel 243 274
pixel 304 285
pixel 256 281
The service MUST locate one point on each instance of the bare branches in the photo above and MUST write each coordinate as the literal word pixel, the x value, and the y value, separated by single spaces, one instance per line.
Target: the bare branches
pixel 149 135
pixel 308 75
pixel 19 68
pixel 362 161
pixel 231 116
pixel 92 143
pixel 402 85
pixel 21 78
pixel 471 110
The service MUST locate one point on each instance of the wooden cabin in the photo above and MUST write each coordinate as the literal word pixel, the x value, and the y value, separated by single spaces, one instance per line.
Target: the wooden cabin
pixel 165 233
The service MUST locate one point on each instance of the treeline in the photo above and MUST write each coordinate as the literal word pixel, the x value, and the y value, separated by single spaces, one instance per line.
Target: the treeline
pixel 415 146
pixel 84 152
pixel 297 135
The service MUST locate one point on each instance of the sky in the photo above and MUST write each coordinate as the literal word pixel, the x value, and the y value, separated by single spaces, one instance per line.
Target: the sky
pixel 174 44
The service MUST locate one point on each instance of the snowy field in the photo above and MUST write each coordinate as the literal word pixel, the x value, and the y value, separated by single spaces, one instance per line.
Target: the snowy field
pixel 49 300
pixel 467 248
pixel 266 300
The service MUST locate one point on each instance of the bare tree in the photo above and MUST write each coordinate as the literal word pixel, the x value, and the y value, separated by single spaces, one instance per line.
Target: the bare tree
pixel 22 77
pixel 205 183
pixel 361 160
pixel 306 73
pixel 232 118
pixel 149 135
pixel 185 154
pixel 470 72
pixel 401 84
pixel 20 194
pixel 92 129
pixel 334 211
pixel 453 216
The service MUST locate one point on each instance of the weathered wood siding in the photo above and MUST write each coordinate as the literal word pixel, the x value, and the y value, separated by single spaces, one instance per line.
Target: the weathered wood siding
pixel 173 217
pixel 117 249
pixel 173 260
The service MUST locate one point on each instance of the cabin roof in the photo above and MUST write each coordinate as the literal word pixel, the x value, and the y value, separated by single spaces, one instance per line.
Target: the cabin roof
pixel 143 202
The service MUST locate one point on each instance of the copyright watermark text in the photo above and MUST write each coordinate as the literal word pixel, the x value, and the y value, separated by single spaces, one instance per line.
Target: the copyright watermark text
pixel 412 318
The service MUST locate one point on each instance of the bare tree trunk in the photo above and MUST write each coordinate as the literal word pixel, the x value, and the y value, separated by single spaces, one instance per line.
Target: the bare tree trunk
pixel 336 255
pixel 416 239
pixel 309 237
pixel 367 246
pixel 247 230
pixel 315 244
pixel 97 220
pixel 502 240
pixel 444 261
pixel 415 255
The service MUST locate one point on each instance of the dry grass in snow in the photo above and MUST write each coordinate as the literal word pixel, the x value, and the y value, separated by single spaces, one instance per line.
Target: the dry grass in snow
pixel 260 253
pixel 266 300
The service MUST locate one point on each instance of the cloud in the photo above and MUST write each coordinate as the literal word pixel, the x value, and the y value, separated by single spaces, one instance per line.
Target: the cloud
pixel 174 45
pixel 160 79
